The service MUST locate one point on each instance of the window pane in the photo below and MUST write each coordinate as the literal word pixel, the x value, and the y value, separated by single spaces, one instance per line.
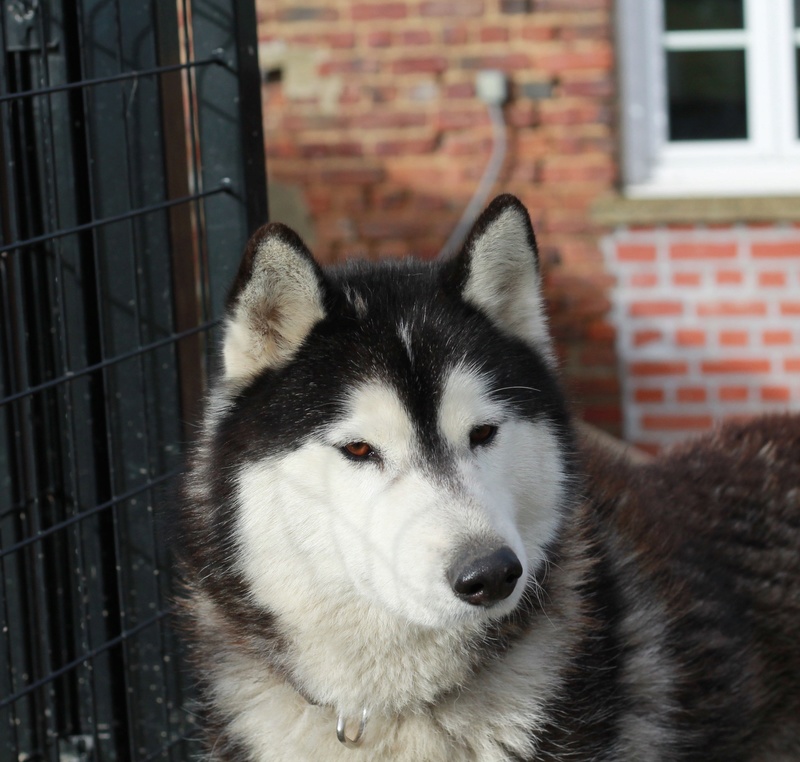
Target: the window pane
pixel 686 15
pixel 707 99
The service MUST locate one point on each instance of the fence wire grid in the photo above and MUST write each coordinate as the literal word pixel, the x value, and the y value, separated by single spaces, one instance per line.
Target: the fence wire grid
pixel 132 169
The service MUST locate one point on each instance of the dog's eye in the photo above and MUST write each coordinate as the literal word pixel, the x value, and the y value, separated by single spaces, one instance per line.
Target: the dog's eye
pixel 482 435
pixel 358 450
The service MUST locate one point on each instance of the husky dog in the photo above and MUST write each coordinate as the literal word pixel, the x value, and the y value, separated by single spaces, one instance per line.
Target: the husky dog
pixel 393 549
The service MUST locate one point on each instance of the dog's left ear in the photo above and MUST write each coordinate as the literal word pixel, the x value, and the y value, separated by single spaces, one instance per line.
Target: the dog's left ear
pixel 499 273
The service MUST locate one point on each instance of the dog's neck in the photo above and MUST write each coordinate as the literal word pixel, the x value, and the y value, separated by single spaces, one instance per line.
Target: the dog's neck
pixel 389 678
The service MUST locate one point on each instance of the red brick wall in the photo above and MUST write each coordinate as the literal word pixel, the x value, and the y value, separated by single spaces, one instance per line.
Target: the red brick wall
pixel 708 326
pixel 387 140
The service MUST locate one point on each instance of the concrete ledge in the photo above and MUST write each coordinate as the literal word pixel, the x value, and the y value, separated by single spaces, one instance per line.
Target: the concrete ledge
pixel 618 210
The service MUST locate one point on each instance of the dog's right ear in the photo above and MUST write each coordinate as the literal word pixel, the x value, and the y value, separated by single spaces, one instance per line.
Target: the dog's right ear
pixel 275 301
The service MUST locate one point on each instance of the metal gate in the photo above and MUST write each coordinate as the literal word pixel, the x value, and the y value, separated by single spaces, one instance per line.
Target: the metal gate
pixel 131 169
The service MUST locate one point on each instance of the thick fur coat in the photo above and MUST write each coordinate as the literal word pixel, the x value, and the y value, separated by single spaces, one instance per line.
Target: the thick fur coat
pixel 389 534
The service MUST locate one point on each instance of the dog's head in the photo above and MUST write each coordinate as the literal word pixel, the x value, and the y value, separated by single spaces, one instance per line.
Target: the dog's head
pixel 393 431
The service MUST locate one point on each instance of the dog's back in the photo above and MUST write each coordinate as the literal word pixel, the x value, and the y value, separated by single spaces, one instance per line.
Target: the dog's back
pixel 714 529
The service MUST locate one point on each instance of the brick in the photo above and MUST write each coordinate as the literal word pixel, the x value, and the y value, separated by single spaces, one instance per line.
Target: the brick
pixel 685 337
pixel 712 251
pixel 379 38
pixel 792 365
pixel 676 422
pixel 461 119
pixel 640 338
pixel 600 415
pixel 691 394
pixel 775 394
pixel 455 35
pixel 577 32
pixel 687 279
pixel 732 309
pixel 419 64
pixel 654 368
pixel 452 8
pixel 734 338
pixel 405 147
pixel 729 277
pixel 571 113
pixel 595 387
pixel 538 33
pixel 598 356
pixel 655 309
pixel 415 37
pixel 778 249
pixel 373 11
pixel 790 309
pixel 522 114
pixel 636 253
pixel 734 393
pixel 599 56
pixel 775 338
pixel 769 279
pixel 600 330
pixel 587 88
pixel 459 90
pixel 644 395
pixel 341 40
pixel 493 34
pixel 736 366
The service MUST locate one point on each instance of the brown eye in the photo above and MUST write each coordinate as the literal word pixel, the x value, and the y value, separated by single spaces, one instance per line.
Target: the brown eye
pixel 358 450
pixel 482 434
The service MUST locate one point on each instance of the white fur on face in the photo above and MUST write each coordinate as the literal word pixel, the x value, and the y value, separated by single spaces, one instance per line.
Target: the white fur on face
pixel 518 478
pixel 388 529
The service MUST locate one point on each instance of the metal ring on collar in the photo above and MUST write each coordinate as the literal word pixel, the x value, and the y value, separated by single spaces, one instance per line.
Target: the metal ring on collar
pixel 351 743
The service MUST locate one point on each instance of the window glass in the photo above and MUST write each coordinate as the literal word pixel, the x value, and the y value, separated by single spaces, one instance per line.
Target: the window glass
pixel 688 15
pixel 707 98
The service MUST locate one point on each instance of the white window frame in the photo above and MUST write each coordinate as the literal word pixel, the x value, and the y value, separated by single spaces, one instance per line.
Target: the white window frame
pixel 767 163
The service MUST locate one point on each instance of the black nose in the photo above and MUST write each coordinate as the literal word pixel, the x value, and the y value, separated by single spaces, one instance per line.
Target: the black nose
pixel 482 580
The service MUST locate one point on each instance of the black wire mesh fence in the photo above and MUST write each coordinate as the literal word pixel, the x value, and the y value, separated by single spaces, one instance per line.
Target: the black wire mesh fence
pixel 131 168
